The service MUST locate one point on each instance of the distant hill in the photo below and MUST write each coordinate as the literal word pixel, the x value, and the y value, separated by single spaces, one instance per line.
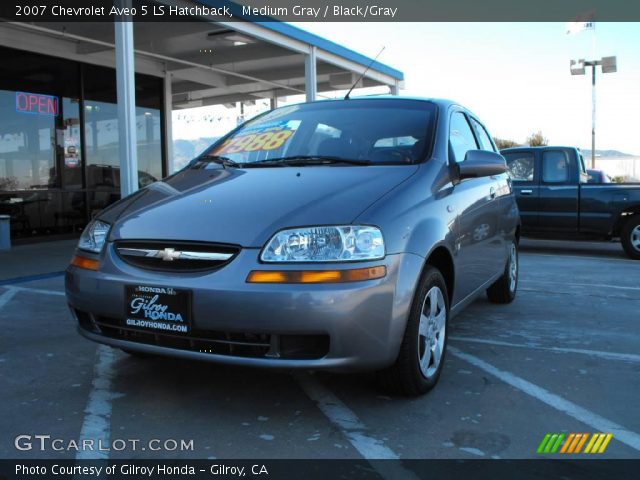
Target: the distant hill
pixel 605 153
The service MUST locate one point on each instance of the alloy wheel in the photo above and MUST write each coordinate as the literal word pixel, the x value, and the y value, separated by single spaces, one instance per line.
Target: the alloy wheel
pixel 431 332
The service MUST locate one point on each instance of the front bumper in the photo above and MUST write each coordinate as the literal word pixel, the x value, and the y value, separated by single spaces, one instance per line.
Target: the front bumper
pixel 362 323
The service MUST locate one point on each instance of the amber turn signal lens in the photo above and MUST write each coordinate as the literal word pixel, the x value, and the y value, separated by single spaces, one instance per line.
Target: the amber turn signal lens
pixel 316 276
pixel 86 263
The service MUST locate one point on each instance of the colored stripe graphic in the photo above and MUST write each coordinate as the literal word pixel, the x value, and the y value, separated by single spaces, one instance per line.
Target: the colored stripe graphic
pixel 598 443
pixel 593 439
pixel 543 443
pixel 570 439
pixel 555 447
pixel 551 442
pixel 573 443
pixel 605 443
pixel 583 439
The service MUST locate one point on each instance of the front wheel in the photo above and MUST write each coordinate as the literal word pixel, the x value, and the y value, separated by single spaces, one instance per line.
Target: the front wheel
pixel 419 363
pixel 630 237
pixel 504 289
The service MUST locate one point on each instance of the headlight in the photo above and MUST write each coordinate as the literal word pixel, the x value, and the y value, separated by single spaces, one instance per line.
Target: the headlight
pixel 94 236
pixel 325 244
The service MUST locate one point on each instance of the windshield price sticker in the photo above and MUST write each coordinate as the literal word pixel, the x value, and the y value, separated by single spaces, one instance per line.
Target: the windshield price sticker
pixel 255 141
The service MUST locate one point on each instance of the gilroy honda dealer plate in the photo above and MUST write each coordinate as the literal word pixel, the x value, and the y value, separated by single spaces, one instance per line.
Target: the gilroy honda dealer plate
pixel 158 308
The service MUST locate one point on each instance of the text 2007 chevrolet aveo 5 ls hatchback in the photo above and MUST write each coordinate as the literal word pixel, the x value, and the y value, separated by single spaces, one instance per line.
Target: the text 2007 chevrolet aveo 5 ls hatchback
pixel 336 235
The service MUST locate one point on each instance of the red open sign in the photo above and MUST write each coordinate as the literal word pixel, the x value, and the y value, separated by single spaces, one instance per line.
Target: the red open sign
pixel 36 103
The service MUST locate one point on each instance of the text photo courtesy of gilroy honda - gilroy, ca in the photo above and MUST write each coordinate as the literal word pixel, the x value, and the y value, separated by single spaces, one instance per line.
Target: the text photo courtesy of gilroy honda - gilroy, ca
pixel 390 240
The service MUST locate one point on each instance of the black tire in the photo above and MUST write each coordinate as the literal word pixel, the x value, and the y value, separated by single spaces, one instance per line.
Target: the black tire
pixel 405 376
pixel 504 289
pixel 630 237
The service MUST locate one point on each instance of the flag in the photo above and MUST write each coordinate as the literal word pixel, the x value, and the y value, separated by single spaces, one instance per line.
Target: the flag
pixel 575 27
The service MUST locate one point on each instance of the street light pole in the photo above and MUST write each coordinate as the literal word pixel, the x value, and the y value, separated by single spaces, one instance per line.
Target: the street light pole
pixel 593 115
pixel 609 65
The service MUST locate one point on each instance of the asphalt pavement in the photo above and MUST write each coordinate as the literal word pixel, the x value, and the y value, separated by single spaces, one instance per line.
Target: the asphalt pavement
pixel 564 357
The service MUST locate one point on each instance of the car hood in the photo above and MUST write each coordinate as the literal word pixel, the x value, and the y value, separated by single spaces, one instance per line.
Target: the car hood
pixel 247 206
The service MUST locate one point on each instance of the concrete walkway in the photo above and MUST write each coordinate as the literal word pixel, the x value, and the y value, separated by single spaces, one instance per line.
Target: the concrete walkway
pixel 35 259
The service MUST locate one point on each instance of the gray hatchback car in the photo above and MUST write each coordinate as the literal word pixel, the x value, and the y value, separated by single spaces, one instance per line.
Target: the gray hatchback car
pixel 339 235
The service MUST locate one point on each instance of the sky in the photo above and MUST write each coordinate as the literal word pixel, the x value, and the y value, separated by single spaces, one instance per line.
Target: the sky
pixel 514 76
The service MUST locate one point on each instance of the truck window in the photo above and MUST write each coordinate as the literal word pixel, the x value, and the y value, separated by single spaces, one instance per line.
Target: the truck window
pixel 483 136
pixel 555 166
pixel 461 138
pixel 520 166
pixel 583 169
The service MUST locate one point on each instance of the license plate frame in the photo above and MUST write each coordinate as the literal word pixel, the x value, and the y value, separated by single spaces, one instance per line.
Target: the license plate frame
pixel 157 309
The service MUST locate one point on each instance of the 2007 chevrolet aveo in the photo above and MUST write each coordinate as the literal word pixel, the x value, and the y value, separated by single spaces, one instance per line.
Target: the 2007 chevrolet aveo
pixel 338 235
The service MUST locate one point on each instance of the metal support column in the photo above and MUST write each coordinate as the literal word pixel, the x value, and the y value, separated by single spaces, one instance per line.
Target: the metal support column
pixel 395 89
pixel 310 75
pixel 168 132
pixel 125 82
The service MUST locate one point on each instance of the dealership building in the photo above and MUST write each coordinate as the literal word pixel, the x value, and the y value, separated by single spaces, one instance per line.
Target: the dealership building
pixel 63 118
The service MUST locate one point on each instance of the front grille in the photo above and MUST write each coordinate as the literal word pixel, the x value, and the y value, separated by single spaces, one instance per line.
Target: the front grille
pixel 175 256
pixel 236 344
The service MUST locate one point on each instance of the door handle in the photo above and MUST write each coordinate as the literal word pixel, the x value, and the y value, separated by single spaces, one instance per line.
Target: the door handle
pixel 492 192
pixel 526 192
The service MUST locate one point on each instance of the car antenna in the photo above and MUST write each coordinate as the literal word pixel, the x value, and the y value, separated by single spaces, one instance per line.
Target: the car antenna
pixel 346 97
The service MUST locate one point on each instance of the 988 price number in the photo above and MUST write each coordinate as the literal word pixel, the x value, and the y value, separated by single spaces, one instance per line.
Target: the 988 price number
pixel 253 142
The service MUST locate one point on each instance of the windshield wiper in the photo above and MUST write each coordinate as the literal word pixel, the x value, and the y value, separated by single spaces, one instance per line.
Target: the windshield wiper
pixel 301 160
pixel 224 161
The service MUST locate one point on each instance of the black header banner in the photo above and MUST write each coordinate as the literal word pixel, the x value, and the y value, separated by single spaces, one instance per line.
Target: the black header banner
pixel 318 10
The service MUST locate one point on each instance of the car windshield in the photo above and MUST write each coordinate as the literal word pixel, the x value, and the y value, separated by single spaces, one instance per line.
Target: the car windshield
pixel 348 132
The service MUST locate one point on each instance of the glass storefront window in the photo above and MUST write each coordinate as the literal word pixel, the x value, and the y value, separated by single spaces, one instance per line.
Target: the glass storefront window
pixel 27 145
pixel 101 135
pixel 46 185
pixel 39 159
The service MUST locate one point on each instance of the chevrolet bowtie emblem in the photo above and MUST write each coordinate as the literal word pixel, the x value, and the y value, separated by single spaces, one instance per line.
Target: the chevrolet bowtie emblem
pixel 168 254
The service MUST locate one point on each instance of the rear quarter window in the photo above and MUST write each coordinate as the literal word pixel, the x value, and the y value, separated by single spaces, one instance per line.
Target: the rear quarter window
pixel 555 166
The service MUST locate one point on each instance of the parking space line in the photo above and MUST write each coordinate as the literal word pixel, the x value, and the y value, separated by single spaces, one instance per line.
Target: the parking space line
pixel 96 425
pixel 343 417
pixel 7 296
pixel 624 357
pixel 561 254
pixel 353 429
pixel 570 284
pixel 581 414
pixel 39 290
pixel 31 278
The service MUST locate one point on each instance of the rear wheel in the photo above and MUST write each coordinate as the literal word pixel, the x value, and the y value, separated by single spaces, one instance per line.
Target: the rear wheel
pixel 419 363
pixel 630 237
pixel 504 289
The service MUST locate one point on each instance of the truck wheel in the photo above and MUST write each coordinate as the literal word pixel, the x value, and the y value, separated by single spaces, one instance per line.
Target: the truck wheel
pixel 421 357
pixel 504 289
pixel 630 237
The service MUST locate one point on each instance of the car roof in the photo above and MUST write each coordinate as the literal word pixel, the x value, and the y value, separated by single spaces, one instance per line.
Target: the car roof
pixel 441 102
pixel 545 147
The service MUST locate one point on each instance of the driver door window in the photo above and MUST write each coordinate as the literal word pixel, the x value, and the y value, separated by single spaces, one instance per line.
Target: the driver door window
pixel 461 138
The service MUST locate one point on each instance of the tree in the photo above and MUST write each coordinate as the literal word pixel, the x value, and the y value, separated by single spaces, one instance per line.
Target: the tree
pixel 504 143
pixel 537 139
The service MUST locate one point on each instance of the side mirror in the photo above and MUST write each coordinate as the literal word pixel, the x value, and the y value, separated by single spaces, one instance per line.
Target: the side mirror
pixel 481 163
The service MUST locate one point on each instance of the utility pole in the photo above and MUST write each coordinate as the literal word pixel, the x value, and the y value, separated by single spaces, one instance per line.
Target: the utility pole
pixel 577 67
